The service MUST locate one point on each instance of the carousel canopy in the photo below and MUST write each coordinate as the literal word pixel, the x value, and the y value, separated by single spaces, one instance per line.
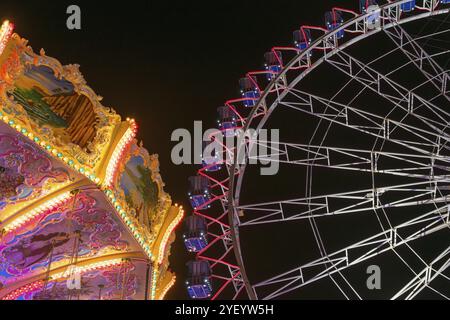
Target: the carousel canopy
pixel 83 212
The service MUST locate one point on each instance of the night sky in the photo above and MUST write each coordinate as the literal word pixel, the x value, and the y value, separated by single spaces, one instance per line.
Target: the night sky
pixel 165 63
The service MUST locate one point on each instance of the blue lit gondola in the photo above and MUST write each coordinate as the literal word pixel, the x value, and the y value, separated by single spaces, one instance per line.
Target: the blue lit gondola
pixel 199 193
pixel 210 158
pixel 273 64
pixel 195 233
pixel 408 6
pixel 365 4
pixel 227 121
pixel 368 5
pixel 249 90
pixel 333 20
pixel 198 283
pixel 302 39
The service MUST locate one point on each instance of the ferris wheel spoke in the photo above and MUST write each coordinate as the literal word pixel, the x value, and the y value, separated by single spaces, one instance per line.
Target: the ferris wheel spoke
pixel 424 278
pixel 408 100
pixel 367 123
pixel 434 55
pixel 420 58
pixel 406 195
pixel 346 114
pixel 408 165
pixel 343 259
pixel 405 43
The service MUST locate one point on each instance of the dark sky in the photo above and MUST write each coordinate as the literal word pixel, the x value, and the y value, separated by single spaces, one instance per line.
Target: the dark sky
pixel 165 63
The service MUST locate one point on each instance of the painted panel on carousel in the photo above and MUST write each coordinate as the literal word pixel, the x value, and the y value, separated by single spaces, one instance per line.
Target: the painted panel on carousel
pixel 137 184
pixel 52 102
pixel 124 281
pixel 26 172
pixel 81 227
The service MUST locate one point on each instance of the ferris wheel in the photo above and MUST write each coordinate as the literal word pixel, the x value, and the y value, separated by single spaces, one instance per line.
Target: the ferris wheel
pixel 363 183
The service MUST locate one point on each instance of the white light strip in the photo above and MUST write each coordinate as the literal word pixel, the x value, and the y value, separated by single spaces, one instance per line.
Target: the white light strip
pixel 167 288
pixel 47 206
pixel 5 34
pixel 82 269
pixel 117 154
pixel 168 233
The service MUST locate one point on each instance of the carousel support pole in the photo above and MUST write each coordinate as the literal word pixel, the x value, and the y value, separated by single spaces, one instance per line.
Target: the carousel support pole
pixel 47 273
pixel 100 287
pixel 124 281
pixel 147 279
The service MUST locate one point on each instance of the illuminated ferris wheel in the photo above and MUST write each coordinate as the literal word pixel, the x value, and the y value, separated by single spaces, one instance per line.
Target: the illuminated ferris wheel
pixel 363 110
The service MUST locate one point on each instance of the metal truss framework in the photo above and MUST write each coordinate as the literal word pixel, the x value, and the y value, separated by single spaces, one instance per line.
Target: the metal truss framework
pixel 423 160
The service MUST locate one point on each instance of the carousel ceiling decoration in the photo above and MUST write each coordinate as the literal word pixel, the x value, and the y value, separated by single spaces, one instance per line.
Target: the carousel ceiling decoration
pixel 78 195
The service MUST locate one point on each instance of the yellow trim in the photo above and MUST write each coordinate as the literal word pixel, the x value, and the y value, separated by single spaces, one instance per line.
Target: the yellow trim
pixel 154 282
pixel 169 281
pixel 132 224
pixel 59 270
pixel 118 134
pixel 42 203
pixel 174 217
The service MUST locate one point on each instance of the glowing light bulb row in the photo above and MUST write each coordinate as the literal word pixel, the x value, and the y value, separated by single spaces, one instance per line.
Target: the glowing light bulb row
pixel 71 162
pixel 25 289
pixel 83 269
pixel 118 153
pixel 168 233
pixel 87 268
pixel 5 34
pixel 167 288
pixel 42 209
pixel 161 253
pixel 134 228
pixel 154 282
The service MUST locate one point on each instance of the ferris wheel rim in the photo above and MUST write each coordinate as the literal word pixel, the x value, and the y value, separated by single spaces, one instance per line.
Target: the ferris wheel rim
pixel 235 186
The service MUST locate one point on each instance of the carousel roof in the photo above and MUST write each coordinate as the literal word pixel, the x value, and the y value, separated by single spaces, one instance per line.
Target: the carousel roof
pixel 79 197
